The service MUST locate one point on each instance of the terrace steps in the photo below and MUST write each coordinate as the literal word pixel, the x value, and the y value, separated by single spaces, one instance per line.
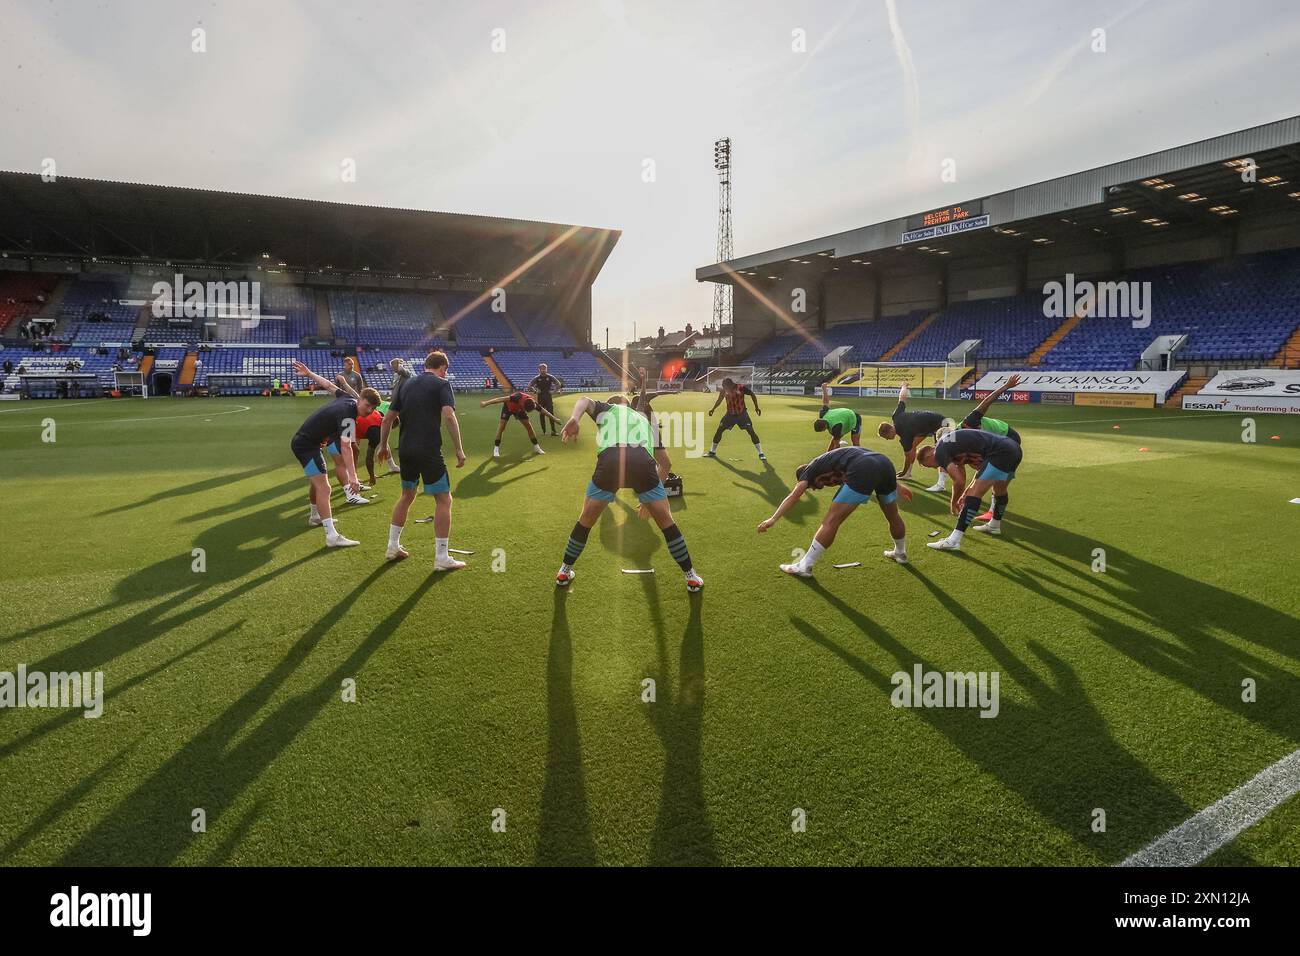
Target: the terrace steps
pixel 1037 355
pixel 189 365
pixel 903 342
pixel 495 369
pixel 324 321
pixel 1191 385
pixel 1288 356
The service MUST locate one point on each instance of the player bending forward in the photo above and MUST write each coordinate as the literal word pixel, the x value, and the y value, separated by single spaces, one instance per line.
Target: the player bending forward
pixel 425 403
pixel 516 405
pixel 839 421
pixel 624 459
pixel 859 472
pixel 737 415
pixel 996 459
pixel 911 429
pixel 977 419
pixel 328 426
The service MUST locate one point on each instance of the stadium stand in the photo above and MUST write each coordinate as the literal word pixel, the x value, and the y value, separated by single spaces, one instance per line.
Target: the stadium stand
pixel 1009 328
pixel 1242 311
pixel 21 295
pixel 577 370
pixel 389 319
pixel 479 326
pixel 92 312
pixel 539 328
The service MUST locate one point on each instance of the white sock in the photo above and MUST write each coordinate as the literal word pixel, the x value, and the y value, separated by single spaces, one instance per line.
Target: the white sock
pixel 942 482
pixel 815 551
pixel 956 535
pixel 758 446
pixel 713 447
pixel 995 523
pixel 314 512
pixel 329 527
pixel 900 546
pixel 394 535
pixel 536 447
pixel 442 548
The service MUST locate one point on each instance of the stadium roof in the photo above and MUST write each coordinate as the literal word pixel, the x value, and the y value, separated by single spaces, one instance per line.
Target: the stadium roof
pixel 96 220
pixel 1196 187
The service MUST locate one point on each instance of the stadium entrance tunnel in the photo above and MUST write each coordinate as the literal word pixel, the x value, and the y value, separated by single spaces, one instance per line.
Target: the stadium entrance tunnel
pixel 162 384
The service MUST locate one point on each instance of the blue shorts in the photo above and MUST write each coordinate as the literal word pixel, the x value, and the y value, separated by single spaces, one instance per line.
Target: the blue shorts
pixel 850 496
pixel 425 467
pixel 309 456
pixel 991 472
pixel 657 493
pixel 333 448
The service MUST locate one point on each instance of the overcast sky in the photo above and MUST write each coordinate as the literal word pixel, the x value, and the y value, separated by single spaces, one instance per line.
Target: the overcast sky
pixel 851 130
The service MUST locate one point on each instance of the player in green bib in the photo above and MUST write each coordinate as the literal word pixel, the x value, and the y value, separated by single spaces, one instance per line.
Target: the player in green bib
pixel 838 421
pixel 624 459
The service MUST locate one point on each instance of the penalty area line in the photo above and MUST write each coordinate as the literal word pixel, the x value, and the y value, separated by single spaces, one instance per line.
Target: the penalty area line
pixel 158 418
pixel 1193 841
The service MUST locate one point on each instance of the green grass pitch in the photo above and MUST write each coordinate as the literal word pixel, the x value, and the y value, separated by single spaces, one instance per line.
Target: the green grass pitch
pixel 483 690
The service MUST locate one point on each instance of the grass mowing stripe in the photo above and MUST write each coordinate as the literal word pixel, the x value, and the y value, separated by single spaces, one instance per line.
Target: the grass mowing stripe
pixel 1193 841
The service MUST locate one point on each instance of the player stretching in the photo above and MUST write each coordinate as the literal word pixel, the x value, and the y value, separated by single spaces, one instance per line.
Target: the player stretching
pixel 544 385
pixel 838 420
pixel 623 460
pixel 516 405
pixel 737 414
pixel 345 465
pixel 641 399
pixel 859 472
pixel 977 419
pixel 327 425
pixel 996 459
pixel 910 428
pixel 425 402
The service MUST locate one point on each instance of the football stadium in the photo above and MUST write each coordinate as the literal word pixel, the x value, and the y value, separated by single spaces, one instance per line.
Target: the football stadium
pixel 344 533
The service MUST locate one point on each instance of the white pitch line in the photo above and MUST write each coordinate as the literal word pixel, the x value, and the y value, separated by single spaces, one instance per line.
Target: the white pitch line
pixel 157 418
pixel 1193 841
pixel 1144 418
pixel 50 403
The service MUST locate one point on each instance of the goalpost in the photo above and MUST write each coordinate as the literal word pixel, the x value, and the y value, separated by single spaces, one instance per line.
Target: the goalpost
pixel 883 379
pixel 741 374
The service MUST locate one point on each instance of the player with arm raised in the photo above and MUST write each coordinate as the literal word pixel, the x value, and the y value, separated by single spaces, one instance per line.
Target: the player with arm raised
pixel 516 405
pixel 977 419
pixel 425 403
pixel 544 385
pixel 996 459
pixel 327 426
pixel 342 448
pixel 860 473
pixel 623 460
pixel 911 429
pixel 838 421
pixel 737 415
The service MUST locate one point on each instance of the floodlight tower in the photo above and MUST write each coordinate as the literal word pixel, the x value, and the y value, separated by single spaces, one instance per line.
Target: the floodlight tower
pixel 722 290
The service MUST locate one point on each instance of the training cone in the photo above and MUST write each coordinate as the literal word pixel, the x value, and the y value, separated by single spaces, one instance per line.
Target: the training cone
pixel 986 516
pixel 1274 437
pixel 1116 427
pixel 1144 449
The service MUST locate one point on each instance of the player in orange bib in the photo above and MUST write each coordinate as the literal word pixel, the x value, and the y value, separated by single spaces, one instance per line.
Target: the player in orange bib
pixel 517 405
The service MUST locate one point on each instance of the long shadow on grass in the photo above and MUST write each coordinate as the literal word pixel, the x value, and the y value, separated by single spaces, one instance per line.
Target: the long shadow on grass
pixel 1078 766
pixel 771 487
pixel 682 833
pixel 215 483
pixel 233 550
pixel 488 477
pixel 564 824
pixel 151 826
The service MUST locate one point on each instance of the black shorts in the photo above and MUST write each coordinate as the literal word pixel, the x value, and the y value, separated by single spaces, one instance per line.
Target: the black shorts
pixel 625 466
pixel 309 454
pixel 545 401
pixel 730 421
pixel 1013 435
pixel 372 434
pixel 427 467
pixel 507 415
pixel 871 474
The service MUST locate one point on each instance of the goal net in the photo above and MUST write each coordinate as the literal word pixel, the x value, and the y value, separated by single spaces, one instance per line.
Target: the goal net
pixel 883 379
pixel 740 374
